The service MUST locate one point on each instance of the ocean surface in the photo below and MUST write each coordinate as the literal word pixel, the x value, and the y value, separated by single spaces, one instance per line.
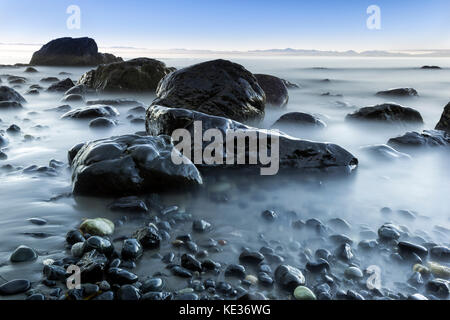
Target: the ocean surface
pixel 420 184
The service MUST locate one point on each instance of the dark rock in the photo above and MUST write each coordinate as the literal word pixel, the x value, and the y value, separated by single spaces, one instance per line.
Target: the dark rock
pixel 92 266
pixel 189 262
pixel 36 297
pixel 293 153
pixel 23 254
pixel 440 252
pixel 300 120
pixel 345 252
pixel 385 153
pixel 10 105
pixel 388 231
pixel 72 98
pixel 317 266
pixel 274 88
pixel 105 296
pixel 386 113
pixel 430 67
pixel 181 272
pixel 54 273
pixel 30 70
pixel 439 287
pixel 32 92
pixel 99 244
pixel 115 102
pixel 141 74
pixel 269 215
pixel 201 225
pixel 49 79
pixel 235 270
pixel 130 164
pixel 71 52
pixel 128 292
pixel 61 86
pixel 251 257
pixel 64 108
pixel 79 90
pixel 289 277
pixel 218 87
pixel 10 95
pixel 102 122
pixel 14 287
pixel 74 236
pixel 265 279
pixel 148 237
pixel 13 129
pixel 131 249
pixel 444 122
pixel 152 285
pixel 157 296
pixel 399 92
pixel 209 264
pixel 91 112
pixel 425 139
pixel 121 276
pixel 130 204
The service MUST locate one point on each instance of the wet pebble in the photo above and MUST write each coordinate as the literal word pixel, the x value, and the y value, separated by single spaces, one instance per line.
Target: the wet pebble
pixel 201 225
pixel 129 293
pixel 23 254
pixel 289 277
pixel 131 249
pixel 121 276
pixel 14 287
pixel 235 270
pixel 251 257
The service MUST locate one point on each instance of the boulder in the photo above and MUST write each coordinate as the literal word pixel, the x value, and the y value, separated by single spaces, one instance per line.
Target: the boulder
pixel 129 164
pixel 141 74
pixel 219 88
pixel 10 105
pixel 399 92
pixel 91 112
pixel 71 52
pixel 386 113
pixel 444 122
pixel 274 88
pixel 8 94
pixel 426 138
pixel 430 67
pixel 384 152
pixel 299 119
pixel 293 153
pixel 99 123
pixel 61 86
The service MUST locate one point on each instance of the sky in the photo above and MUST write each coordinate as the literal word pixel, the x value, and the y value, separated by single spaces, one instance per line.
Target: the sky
pixel 233 24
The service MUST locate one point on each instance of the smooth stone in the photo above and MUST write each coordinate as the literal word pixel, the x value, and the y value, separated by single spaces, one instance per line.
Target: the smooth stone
pixel 235 270
pixel 251 257
pixel 274 88
pixel 74 236
pixel 61 86
pixel 201 225
pixel 77 249
pixel 152 285
pixel 299 120
pixel 304 293
pixel 148 237
pixel 128 292
pixel 289 277
pixel 102 122
pixel 91 112
pixel 121 276
pixel 399 92
pixel 386 113
pixel 131 249
pixel 189 262
pixel 97 226
pixel 353 273
pixel 389 231
pixel 38 221
pixel 409 247
pixel 14 287
pixel 99 244
pixel 23 254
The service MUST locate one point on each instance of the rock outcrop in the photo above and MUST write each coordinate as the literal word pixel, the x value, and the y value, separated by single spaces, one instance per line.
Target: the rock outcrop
pixel 274 88
pixel 386 113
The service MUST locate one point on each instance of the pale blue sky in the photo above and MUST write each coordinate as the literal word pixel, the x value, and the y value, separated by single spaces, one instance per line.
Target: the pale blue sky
pixel 233 24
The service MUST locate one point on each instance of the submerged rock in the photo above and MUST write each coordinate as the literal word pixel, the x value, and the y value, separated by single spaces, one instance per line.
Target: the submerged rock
pixel 141 74
pixel 72 98
pixel 30 70
pixel 91 112
pixel 274 88
pixel 386 113
pixel 10 105
pixel 71 52
pixel 61 86
pixel 23 254
pixel 399 92
pixel 384 152
pixel 444 122
pixel 102 122
pixel 424 139
pixel 431 67
pixel 299 119
pixel 116 102
pixel 14 287
pixel 218 87
pixel 293 153
pixel 130 164
pixel 10 95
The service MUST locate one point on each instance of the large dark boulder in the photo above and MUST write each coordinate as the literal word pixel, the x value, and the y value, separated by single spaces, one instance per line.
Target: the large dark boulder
pixel 141 74
pixel 444 122
pixel 71 52
pixel 386 113
pixel 293 153
pixel 399 92
pixel 61 86
pixel 8 94
pixel 129 164
pixel 274 88
pixel 219 88
pixel 414 140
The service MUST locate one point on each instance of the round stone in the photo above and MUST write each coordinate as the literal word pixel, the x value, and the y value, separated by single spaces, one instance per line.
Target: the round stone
pixel 303 293
pixel 14 287
pixel 97 227
pixel 23 254
pixel 353 273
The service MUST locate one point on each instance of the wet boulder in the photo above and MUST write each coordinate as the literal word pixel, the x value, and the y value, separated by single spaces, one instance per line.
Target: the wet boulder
pixel 219 87
pixel 424 139
pixel 73 98
pixel 299 119
pixel 141 74
pixel 91 112
pixel 71 52
pixel 116 102
pixel 129 164
pixel 384 152
pixel 10 105
pixel 293 153
pixel 274 88
pixel 386 113
pixel 61 86
pixel 444 122
pixel 102 123
pixel 399 92
pixel 9 95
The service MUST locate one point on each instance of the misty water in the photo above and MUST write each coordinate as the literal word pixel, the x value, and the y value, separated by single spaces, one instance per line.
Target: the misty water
pixel 234 204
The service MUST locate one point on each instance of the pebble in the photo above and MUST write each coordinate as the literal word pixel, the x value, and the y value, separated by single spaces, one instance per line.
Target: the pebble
pixel 100 244
pixel 38 221
pixel 353 273
pixel 345 252
pixel 77 250
pixel 128 292
pixel 23 254
pixel 189 262
pixel 148 237
pixel 14 287
pixel 439 271
pixel 388 231
pixel 439 287
pixel 269 215
pixel 289 277
pixel 251 257
pixel 408 247
pixel 121 276
pixel 252 279
pixel 318 266
pixel 304 293
pixel 265 279
pixel 131 249
pixel 201 225
pixel 181 272
pixel 105 296
pixel 74 236
pixel 441 253
pixel 97 227
pixel 152 285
